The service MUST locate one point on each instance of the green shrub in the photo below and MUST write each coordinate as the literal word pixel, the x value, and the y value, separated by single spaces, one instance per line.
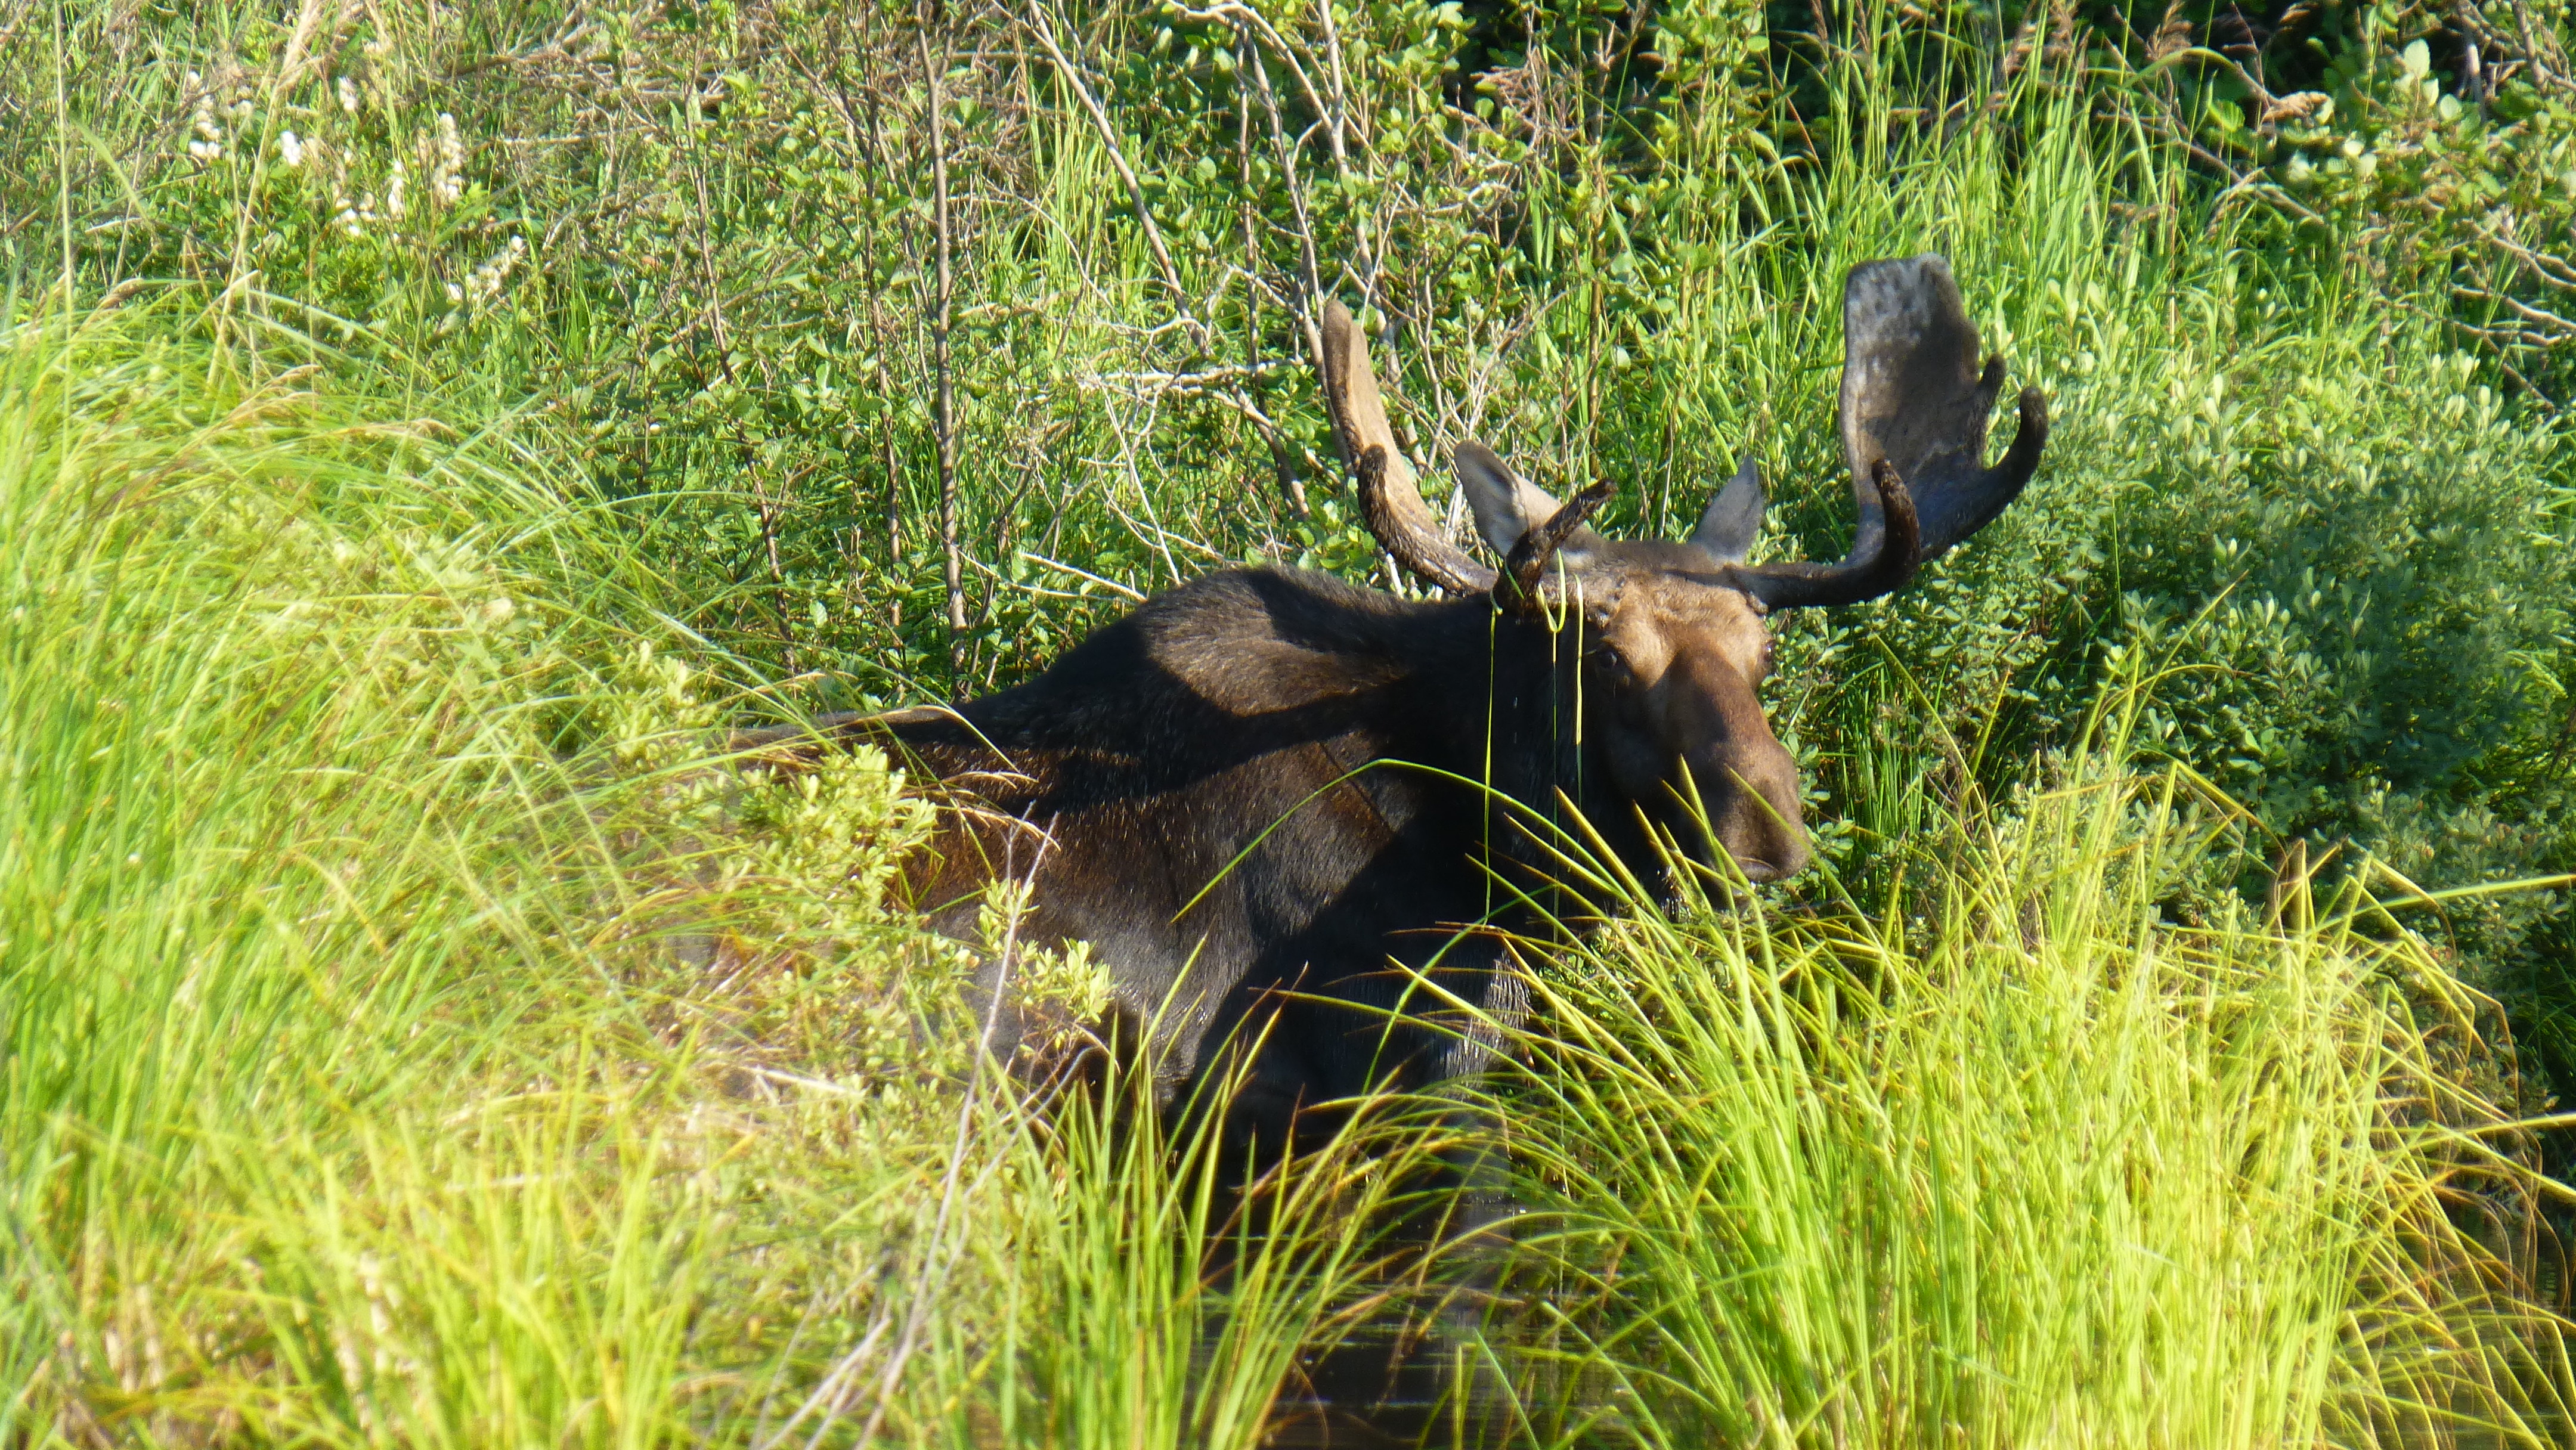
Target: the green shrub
pixel 358 793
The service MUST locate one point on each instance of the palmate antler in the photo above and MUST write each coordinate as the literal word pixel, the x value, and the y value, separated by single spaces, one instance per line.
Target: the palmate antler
pixel 1914 410
pixel 1914 396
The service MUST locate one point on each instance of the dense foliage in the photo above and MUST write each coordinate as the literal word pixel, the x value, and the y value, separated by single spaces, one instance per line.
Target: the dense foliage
pixel 2286 279
pixel 480 405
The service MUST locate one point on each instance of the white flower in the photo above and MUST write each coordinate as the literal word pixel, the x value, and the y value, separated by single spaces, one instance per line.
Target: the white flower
pixel 394 193
pixel 484 283
pixel 447 178
pixel 290 150
pixel 209 145
pixel 348 92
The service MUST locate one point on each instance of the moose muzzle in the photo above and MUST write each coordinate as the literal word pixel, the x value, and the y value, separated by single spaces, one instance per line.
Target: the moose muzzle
pixel 1746 781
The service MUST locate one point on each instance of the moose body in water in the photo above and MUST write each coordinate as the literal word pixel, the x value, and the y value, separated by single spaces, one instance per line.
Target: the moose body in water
pixel 1280 807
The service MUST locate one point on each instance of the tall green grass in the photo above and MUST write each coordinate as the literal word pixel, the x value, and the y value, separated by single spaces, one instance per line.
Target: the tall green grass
pixel 288 866
pixel 416 1038
pixel 2013 1157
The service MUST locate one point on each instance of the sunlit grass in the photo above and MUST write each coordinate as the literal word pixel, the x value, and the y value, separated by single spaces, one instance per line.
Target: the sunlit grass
pixel 289 867
pixel 355 849
pixel 2015 1158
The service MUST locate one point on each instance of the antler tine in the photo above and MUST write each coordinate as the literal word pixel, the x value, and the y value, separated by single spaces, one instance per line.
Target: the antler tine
pixel 1415 545
pixel 1527 567
pixel 1881 564
pixel 1390 501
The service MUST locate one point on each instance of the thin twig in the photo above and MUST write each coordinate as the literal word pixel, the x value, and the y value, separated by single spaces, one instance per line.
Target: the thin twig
pixel 943 418
pixel 1309 269
pixel 1198 380
pixel 1044 29
pixel 1282 467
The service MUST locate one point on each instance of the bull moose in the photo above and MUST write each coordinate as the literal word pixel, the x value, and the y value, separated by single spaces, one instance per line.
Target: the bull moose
pixel 1277 804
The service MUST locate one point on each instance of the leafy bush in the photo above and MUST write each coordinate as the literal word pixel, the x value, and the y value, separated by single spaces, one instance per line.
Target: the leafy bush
pixel 626 331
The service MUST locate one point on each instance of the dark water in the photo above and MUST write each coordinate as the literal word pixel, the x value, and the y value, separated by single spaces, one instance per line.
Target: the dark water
pixel 1395 1382
pixel 1446 1371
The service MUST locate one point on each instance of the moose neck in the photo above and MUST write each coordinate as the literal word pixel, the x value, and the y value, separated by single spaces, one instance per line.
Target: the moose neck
pixel 1502 700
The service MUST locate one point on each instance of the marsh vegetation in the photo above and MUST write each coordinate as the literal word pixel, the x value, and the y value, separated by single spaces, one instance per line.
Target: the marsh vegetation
pixel 426 429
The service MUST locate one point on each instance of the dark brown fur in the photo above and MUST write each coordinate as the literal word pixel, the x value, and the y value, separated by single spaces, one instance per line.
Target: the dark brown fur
pixel 1281 808
pixel 1331 739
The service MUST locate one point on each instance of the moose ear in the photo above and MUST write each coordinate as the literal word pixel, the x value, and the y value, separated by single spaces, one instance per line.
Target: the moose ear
pixel 1507 506
pixel 1734 518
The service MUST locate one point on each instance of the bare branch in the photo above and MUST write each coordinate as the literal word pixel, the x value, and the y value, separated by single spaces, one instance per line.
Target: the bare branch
pixel 943 421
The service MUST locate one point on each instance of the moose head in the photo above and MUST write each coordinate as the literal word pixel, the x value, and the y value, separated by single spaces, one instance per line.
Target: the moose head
pixel 1673 639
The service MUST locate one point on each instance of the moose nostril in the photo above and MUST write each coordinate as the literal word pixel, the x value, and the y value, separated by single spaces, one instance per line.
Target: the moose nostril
pixel 1792 861
pixel 1761 844
pixel 1769 855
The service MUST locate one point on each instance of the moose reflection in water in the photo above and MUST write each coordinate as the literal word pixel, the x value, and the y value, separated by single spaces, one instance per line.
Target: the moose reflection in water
pixel 1300 795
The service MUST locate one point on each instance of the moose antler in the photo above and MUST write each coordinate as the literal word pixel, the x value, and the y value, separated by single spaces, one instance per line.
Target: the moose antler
pixel 1883 564
pixel 1914 408
pixel 1390 502
pixel 1527 566
pixel 1914 396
